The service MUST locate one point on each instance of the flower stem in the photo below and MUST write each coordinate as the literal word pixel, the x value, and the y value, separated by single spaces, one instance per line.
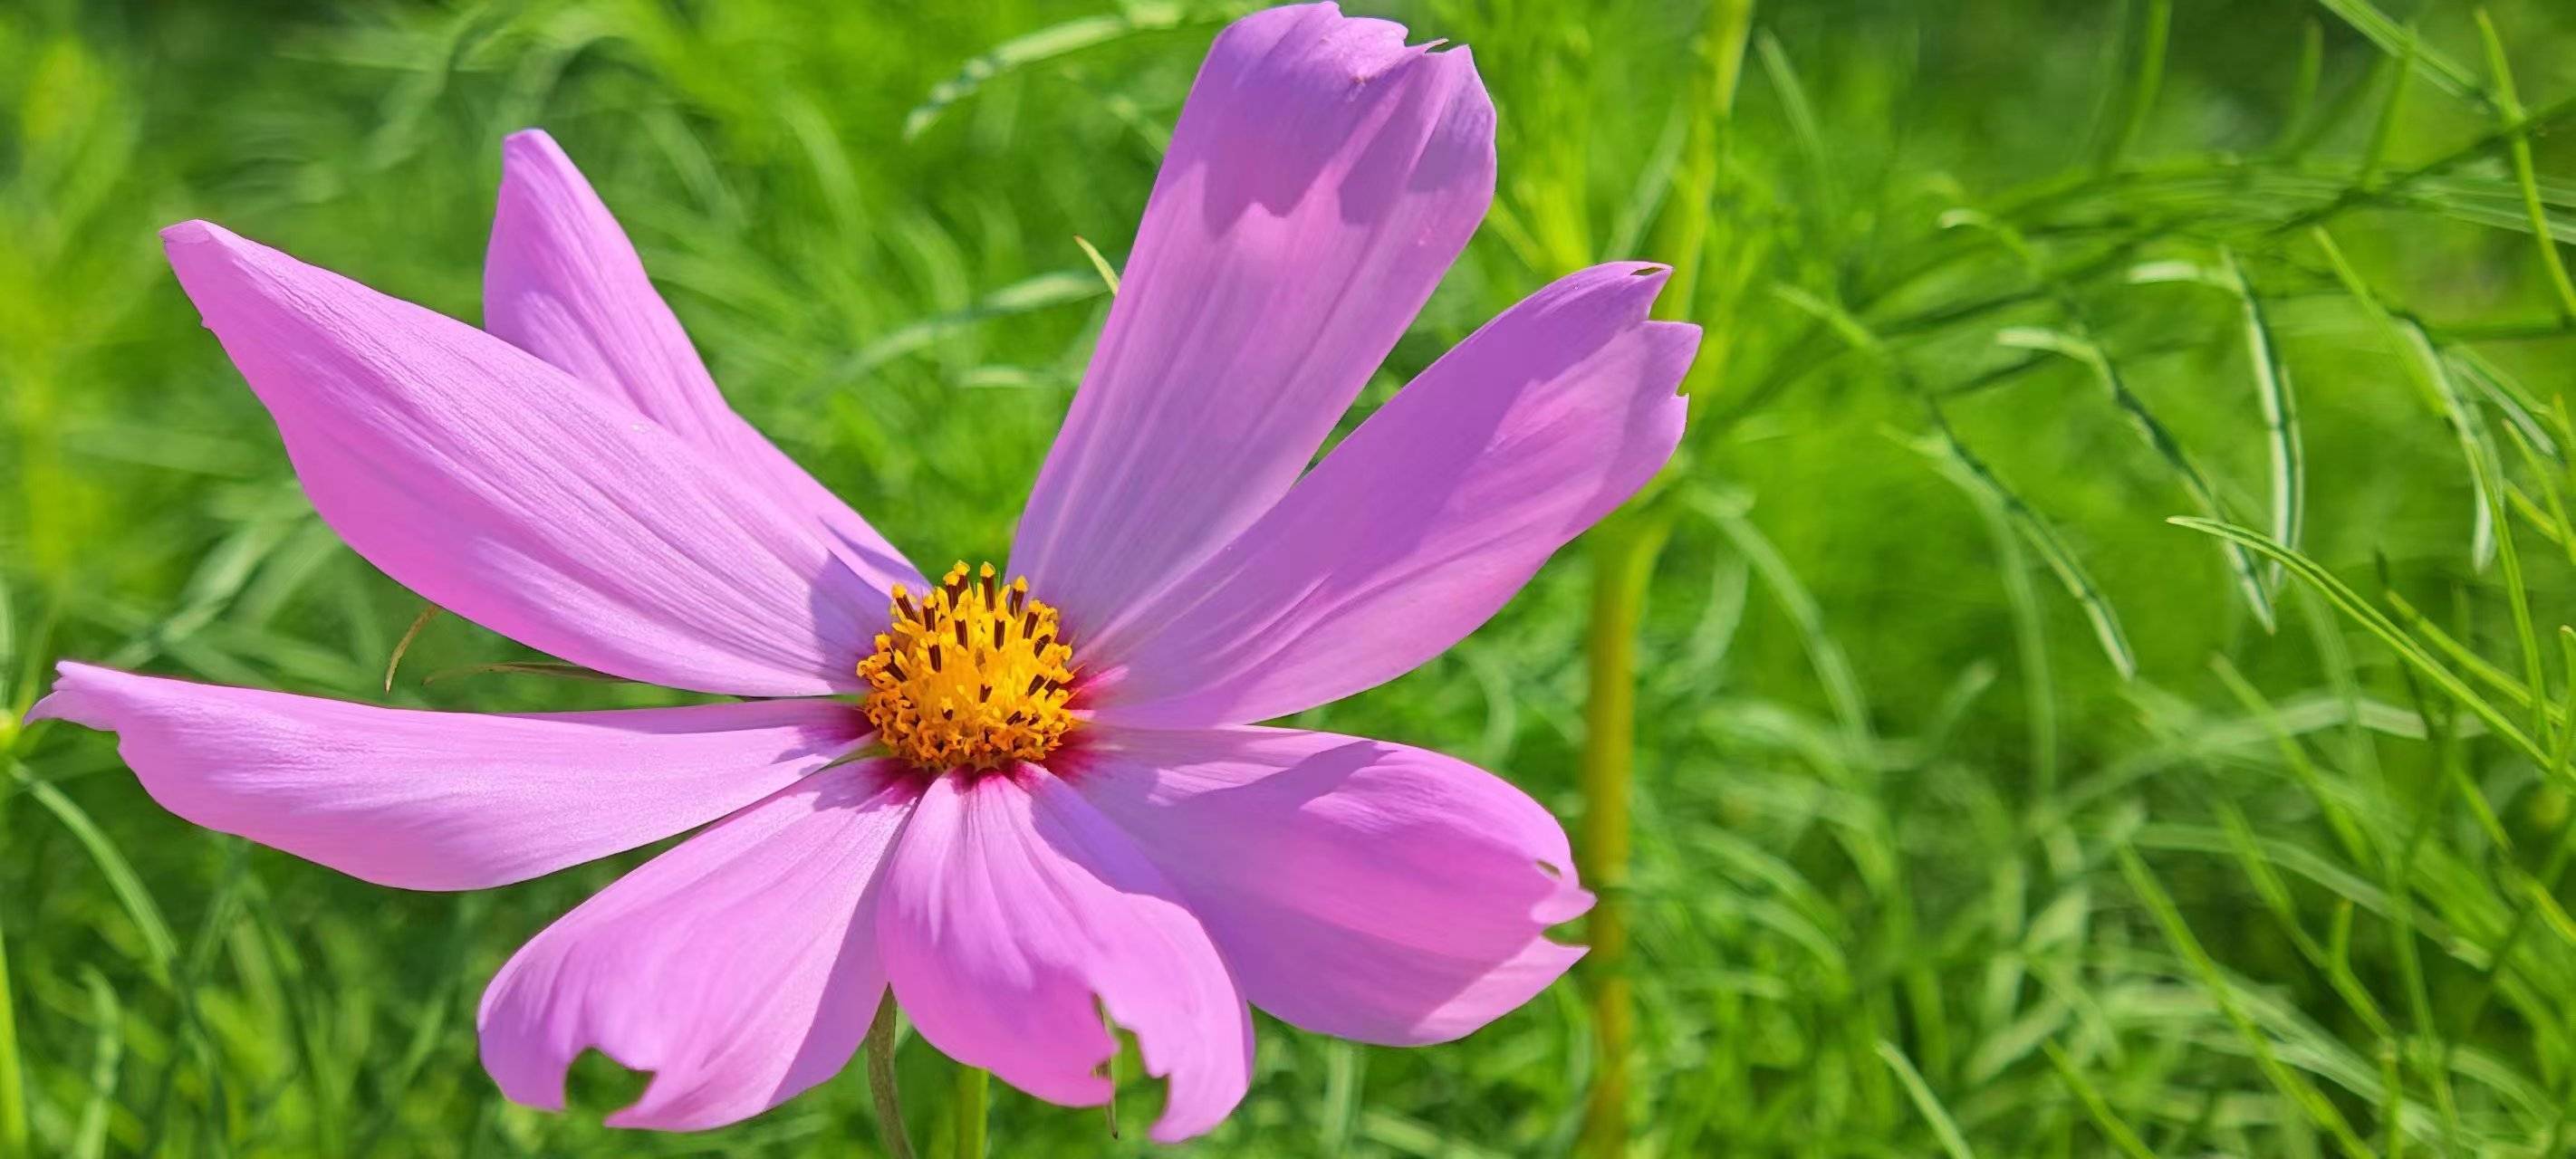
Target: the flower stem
pixel 879 1048
pixel 1623 555
pixel 966 1112
pixel 13 1104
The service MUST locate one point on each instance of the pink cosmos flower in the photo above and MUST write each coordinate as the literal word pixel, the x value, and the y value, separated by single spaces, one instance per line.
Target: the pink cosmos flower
pixel 1006 801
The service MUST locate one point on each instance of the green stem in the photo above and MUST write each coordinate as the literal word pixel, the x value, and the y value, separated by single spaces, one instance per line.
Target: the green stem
pixel 13 1106
pixel 966 1112
pixel 878 1046
pixel 1624 550
pixel 2153 35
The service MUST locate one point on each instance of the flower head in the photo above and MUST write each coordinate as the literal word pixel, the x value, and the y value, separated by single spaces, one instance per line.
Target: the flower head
pixel 1016 802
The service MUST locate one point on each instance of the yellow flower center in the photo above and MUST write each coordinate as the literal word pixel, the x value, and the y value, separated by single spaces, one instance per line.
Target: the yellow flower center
pixel 972 676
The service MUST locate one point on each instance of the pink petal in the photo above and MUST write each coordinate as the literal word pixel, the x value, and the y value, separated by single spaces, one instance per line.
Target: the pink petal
pixel 444 800
pixel 737 967
pixel 562 282
pixel 507 492
pixel 1009 903
pixel 1357 888
pixel 1418 527
pixel 1321 178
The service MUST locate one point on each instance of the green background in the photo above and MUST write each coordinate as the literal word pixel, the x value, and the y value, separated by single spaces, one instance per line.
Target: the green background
pixel 1919 866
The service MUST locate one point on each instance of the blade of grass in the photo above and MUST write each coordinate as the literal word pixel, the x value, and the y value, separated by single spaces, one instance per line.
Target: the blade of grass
pixel 1925 1101
pixel 2294 137
pixel 1804 129
pixel 2509 109
pixel 1108 273
pixel 2280 419
pixel 2030 627
pixel 2552 524
pixel 2377 624
pixel 2349 831
pixel 2146 77
pixel 2400 41
pixel 2538 891
pixel 1962 467
pixel 2161 439
pixel 2301 1094
pixel 2405 613
pixel 2104 1118
pixel 1053 42
pixel 2487 472
pixel 1833 667
pixel 160 949
pixel 2397 875
pixel 107 1018
pixel 2407 343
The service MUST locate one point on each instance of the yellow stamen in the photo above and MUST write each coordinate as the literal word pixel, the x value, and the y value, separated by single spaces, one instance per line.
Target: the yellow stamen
pixel 972 674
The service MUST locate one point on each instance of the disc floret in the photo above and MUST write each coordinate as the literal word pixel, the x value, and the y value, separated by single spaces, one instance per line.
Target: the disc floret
pixel 974 674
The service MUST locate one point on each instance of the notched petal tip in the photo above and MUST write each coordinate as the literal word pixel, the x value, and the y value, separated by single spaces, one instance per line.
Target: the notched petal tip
pixel 1015 915
pixel 1681 339
pixel 736 968
pixel 1636 283
pixel 1569 902
pixel 65 700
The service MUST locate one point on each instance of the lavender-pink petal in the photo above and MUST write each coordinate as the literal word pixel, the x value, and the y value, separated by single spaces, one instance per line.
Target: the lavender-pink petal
pixel 1321 178
pixel 561 281
pixel 1010 903
pixel 503 490
pixel 1357 888
pixel 738 967
pixel 1417 528
pixel 444 800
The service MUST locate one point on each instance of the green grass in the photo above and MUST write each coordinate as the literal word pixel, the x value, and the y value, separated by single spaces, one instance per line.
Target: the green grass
pixel 2099 680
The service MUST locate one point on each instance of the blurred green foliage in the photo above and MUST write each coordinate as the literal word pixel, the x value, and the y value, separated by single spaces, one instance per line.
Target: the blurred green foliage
pixel 1992 289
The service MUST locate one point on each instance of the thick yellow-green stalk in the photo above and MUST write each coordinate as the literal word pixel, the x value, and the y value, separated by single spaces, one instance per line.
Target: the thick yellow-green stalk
pixel 966 1112
pixel 1624 550
pixel 1623 556
pixel 13 1107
